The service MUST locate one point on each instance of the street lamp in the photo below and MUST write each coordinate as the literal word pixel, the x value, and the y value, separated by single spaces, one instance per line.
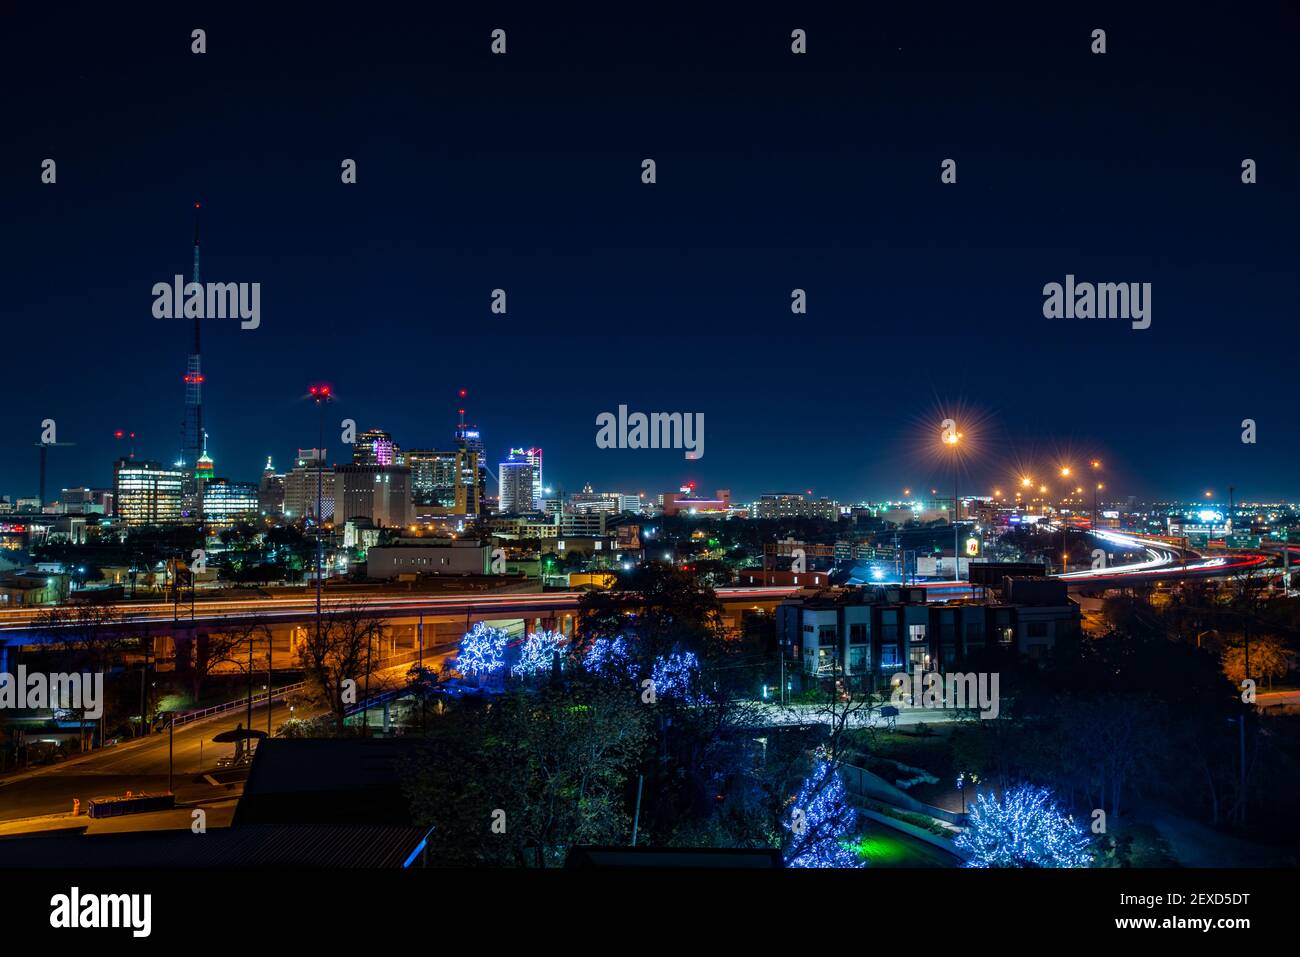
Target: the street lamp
pixel 952 438
pixel 321 395
pixel 1065 529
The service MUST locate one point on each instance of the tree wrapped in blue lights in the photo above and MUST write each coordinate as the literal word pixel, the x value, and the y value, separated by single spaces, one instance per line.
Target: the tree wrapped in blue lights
pixel 609 656
pixel 482 652
pixel 1027 828
pixel 821 822
pixel 538 653
pixel 677 675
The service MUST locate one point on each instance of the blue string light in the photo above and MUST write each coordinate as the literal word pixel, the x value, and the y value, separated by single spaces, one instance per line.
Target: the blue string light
pixel 1027 828
pixel 822 822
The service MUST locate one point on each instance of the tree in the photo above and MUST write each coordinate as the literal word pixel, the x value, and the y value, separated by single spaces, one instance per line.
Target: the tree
pixel 660 609
pixel 223 645
pixel 337 653
pixel 1024 829
pixel 482 652
pixel 541 652
pixel 821 821
pixel 1268 659
pixel 527 778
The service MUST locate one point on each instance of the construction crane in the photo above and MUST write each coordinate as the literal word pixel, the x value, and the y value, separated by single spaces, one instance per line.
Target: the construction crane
pixel 45 447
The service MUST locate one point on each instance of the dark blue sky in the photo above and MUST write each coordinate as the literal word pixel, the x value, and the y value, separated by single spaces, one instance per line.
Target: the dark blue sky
pixel 774 172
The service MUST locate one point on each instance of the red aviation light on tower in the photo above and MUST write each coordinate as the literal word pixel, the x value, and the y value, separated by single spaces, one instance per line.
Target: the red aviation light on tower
pixel 320 392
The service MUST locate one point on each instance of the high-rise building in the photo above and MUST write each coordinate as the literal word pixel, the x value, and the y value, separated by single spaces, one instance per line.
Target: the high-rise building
pixel 474 466
pixel 534 457
pixel 516 477
pixel 433 477
pixel 227 503
pixel 300 487
pixel 270 492
pixel 380 493
pixel 376 447
pixel 470 441
pixel 469 483
pixel 147 493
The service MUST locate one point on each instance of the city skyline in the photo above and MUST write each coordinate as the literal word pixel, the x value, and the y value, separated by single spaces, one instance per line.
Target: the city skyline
pixel 675 295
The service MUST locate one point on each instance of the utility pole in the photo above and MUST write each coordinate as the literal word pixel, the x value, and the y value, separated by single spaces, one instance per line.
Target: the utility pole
pixel 322 395
pixel 956 532
pixel 171 755
pixel 249 725
pixel 144 698
pixel 636 817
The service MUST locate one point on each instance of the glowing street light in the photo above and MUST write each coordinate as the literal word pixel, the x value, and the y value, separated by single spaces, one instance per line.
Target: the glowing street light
pixel 952 438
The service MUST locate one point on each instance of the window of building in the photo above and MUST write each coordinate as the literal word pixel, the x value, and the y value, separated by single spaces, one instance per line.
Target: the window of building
pixel 1037 629
pixel 858 634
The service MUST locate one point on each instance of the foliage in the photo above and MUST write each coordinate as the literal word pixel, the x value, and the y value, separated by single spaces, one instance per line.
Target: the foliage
pixel 1026 828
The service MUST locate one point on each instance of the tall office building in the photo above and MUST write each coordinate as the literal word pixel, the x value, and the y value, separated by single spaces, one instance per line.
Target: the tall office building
pixel 469 483
pixel 516 478
pixel 534 457
pixel 300 487
pixel 380 493
pixel 376 447
pixel 147 493
pixel 270 491
pixel 470 442
pixel 433 477
pixel 227 503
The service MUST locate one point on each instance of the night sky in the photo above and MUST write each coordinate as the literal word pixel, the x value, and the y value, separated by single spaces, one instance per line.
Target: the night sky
pixel 775 171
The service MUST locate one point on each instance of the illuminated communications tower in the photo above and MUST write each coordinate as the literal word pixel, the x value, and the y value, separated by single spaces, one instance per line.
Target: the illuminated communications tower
pixel 192 425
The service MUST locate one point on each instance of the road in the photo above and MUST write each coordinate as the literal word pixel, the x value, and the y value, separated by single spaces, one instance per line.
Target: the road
pixel 141 764
pixel 271 608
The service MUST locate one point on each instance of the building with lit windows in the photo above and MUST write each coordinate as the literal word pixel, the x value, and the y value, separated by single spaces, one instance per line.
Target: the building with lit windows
pixel 376 447
pixel 872 633
pixel 227 503
pixel 270 492
pixel 147 493
pixel 685 500
pixel 471 499
pixel 517 476
pixel 794 505
pixel 300 487
pixel 433 477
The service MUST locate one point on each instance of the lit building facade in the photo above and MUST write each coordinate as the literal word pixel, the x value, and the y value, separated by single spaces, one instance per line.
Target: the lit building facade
pixel 227 503
pixel 147 493
pixel 376 447
pixel 433 477
pixel 380 493
pixel 518 484
pixel 300 487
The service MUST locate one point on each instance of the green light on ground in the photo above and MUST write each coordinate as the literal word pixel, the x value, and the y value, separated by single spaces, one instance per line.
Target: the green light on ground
pixel 881 850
